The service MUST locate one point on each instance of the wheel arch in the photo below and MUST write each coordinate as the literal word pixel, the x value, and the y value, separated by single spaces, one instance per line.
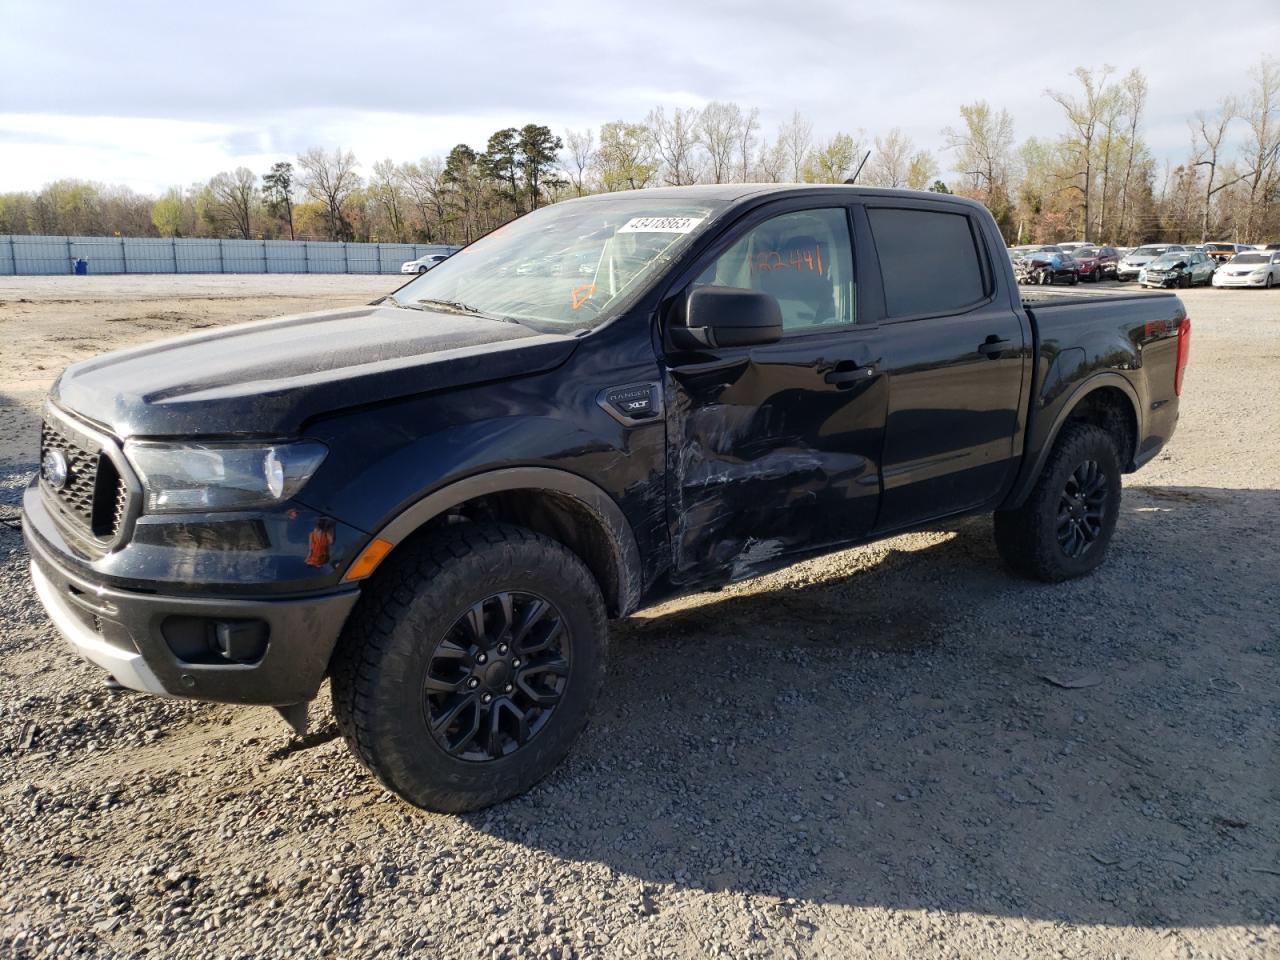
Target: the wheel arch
pixel 564 506
pixel 1106 399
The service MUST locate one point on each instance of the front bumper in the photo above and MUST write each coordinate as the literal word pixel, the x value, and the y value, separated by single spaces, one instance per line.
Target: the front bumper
pixel 277 654
pixel 1222 280
pixel 1127 273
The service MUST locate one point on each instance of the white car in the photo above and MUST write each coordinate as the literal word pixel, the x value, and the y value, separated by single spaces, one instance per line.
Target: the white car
pixel 1131 265
pixel 423 263
pixel 1250 270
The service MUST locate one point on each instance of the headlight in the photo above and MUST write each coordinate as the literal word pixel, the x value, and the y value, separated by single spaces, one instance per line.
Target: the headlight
pixel 1260 272
pixel 182 478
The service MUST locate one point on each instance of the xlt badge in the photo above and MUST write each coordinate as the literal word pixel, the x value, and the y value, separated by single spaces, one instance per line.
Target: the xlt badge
pixel 632 403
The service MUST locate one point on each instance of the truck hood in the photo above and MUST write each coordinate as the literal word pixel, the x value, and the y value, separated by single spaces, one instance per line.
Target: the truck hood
pixel 269 377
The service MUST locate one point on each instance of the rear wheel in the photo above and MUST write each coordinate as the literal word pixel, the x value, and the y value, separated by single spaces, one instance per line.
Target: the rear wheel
pixel 1075 277
pixel 1064 527
pixel 470 666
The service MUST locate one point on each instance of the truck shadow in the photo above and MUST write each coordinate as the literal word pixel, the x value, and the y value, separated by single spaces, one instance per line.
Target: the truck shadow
pixel 917 729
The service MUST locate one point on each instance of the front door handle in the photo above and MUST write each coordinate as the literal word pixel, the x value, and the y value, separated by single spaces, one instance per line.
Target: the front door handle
pixel 846 373
pixel 993 346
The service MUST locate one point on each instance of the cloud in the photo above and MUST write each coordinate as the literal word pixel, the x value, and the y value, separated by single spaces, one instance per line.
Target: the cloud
pixel 152 94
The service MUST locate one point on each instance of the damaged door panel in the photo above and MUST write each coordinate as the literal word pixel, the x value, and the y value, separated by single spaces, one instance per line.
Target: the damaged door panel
pixel 768 457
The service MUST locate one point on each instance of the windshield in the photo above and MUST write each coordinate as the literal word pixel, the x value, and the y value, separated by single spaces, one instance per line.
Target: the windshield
pixel 1168 259
pixel 1148 251
pixel 1249 258
pixel 564 267
pixel 1080 253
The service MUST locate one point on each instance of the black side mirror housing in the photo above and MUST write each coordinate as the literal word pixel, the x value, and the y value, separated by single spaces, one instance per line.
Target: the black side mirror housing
pixel 728 317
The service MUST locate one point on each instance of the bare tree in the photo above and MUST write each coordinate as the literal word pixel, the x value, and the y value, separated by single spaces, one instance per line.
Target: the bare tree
pixel 676 141
pixel 330 178
pixel 719 128
pixel 1084 114
pixel 1208 134
pixel 890 162
pixel 983 146
pixel 747 140
pixel 423 181
pixel 1260 153
pixel 232 197
pixel 389 193
pixel 580 150
pixel 1133 95
pixel 772 161
pixel 797 136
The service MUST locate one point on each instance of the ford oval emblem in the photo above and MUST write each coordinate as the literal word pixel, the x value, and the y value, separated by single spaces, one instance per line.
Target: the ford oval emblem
pixel 53 467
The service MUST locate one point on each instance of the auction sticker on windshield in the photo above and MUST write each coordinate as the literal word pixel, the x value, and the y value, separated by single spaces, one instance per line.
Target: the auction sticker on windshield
pixel 661 225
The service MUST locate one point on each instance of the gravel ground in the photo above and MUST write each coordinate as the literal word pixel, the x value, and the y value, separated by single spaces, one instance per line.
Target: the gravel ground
pixel 894 751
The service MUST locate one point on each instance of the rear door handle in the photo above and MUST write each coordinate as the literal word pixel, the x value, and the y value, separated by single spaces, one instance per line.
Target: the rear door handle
pixel 993 346
pixel 846 373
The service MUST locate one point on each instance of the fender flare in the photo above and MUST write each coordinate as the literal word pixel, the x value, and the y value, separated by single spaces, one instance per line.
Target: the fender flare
pixel 622 542
pixel 1028 475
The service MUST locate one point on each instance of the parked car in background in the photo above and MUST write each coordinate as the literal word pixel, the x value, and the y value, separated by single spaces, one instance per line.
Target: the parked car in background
pixel 1072 246
pixel 1269 247
pixel 1046 265
pixel 1222 252
pixel 424 263
pixel 1179 268
pixel 1131 265
pixel 1254 269
pixel 1096 263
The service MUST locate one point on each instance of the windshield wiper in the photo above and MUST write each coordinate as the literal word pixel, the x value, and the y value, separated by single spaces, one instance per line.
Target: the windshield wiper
pixel 455 306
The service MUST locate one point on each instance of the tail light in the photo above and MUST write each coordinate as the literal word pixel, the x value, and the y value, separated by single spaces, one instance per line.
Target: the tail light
pixel 1184 351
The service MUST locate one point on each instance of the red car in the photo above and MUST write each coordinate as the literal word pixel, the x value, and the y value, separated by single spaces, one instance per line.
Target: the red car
pixel 1097 263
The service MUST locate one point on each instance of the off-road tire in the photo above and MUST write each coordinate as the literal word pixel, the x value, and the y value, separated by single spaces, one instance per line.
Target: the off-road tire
pixel 379 667
pixel 1026 536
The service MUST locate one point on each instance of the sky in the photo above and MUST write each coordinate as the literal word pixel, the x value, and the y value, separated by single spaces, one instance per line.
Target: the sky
pixel 153 95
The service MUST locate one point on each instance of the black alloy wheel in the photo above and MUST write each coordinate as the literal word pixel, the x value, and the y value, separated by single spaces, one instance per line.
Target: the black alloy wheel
pixel 496 676
pixel 1081 509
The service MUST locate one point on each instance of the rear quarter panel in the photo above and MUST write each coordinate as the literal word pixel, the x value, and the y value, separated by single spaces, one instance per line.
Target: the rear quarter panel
pixel 1088 343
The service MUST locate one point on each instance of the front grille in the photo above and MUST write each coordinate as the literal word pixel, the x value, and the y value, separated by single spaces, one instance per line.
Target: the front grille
pixel 95 497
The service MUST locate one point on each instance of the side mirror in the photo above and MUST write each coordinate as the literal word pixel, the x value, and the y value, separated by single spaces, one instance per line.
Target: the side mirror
pixel 728 317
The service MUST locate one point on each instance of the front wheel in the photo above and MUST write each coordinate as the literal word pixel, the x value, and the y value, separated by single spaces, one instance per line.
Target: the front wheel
pixel 1065 525
pixel 1075 277
pixel 422 269
pixel 470 665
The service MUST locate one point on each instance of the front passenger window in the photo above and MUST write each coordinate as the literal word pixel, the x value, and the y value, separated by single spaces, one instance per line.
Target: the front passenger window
pixel 803 259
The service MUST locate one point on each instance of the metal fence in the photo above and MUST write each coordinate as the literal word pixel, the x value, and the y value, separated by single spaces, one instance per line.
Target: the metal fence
pixel 47 256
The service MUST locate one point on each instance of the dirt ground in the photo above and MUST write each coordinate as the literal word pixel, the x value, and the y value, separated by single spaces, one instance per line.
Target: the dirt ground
pixel 894 751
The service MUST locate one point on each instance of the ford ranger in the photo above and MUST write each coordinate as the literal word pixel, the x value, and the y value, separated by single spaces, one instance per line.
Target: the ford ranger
pixel 438 500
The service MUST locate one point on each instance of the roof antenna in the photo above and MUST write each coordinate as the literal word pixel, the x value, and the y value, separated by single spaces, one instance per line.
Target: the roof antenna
pixel 854 178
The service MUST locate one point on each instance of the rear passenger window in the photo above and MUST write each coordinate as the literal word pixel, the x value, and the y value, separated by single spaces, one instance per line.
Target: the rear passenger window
pixel 803 259
pixel 928 260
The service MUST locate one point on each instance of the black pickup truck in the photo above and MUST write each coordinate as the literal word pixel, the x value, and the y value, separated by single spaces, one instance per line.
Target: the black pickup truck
pixel 438 500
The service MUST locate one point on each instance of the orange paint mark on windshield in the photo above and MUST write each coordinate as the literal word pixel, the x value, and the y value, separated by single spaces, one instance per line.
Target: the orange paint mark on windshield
pixel 581 294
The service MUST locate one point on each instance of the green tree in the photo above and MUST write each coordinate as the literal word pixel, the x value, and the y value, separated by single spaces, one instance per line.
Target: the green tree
pixel 277 193
pixel 624 160
pixel 539 148
pixel 169 213
pixel 500 162
pixel 833 161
